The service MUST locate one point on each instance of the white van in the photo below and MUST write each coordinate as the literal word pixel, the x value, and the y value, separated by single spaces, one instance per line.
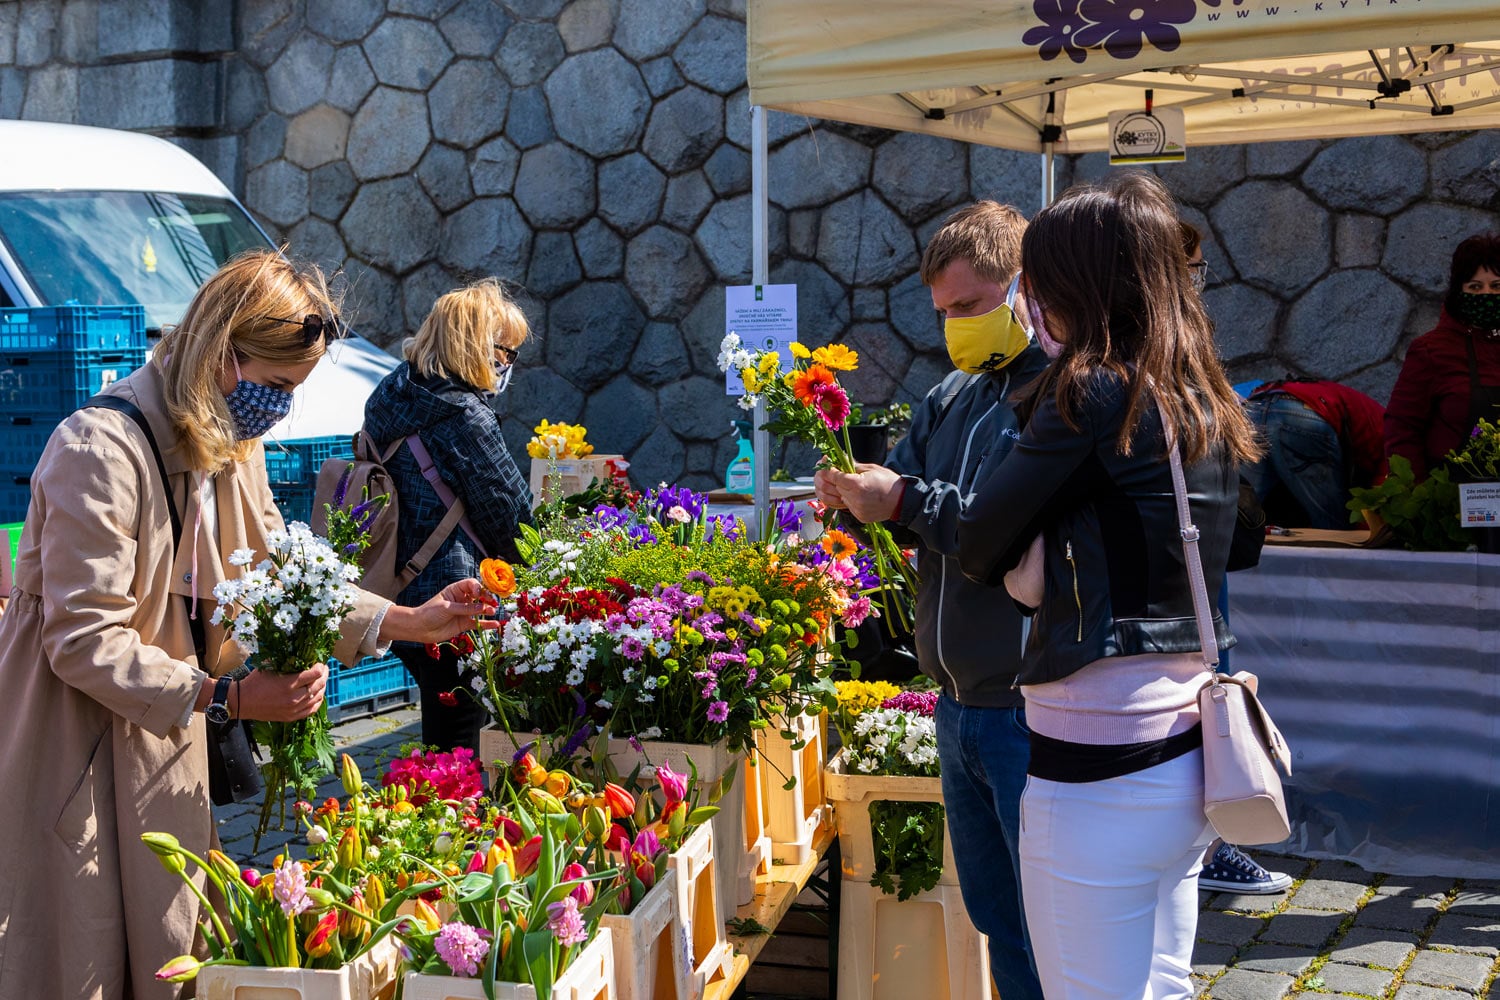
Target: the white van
pixel 101 217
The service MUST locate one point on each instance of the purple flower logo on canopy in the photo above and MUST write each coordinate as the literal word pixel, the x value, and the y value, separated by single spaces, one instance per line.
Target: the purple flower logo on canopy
pixel 1060 24
pixel 1122 27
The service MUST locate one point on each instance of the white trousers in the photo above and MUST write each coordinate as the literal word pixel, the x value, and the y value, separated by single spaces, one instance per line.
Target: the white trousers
pixel 1109 878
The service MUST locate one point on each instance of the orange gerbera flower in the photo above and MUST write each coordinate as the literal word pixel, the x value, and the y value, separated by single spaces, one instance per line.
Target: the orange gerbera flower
pixel 498 577
pixel 836 357
pixel 804 382
pixel 838 544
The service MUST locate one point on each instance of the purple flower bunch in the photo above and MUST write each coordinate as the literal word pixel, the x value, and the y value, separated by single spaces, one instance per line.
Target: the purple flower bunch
pixel 664 499
pixel 923 703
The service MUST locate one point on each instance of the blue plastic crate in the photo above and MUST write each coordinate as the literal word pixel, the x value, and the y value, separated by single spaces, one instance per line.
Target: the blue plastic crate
pixel 22 440
pixel 294 502
pixel 55 383
pixel 374 684
pixel 15 497
pixel 73 328
pixel 296 463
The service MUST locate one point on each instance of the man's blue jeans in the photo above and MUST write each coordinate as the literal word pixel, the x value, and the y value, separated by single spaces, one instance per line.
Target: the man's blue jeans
pixel 983 753
pixel 1303 454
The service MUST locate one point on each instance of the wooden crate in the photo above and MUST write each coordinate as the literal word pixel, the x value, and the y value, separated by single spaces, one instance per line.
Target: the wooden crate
pixel 651 947
pixel 700 922
pixel 756 859
pixel 925 946
pixel 795 815
pixel 589 976
pixel 372 976
pixel 851 796
pixel 552 479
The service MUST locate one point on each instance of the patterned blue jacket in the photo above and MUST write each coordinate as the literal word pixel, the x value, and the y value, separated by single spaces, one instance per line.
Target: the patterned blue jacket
pixel 462 434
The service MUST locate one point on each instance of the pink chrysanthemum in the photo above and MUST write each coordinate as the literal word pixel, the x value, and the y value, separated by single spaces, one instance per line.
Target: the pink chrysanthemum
pixel 461 947
pixel 858 610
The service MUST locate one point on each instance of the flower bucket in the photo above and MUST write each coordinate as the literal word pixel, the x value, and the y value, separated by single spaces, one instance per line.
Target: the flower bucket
pixel 925 946
pixel 590 976
pixel 552 479
pixel 712 761
pixel 796 814
pixel 699 925
pixel 851 796
pixel 651 947
pixel 495 744
pixel 372 976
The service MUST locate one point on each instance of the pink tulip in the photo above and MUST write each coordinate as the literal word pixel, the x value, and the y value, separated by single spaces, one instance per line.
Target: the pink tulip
pixel 673 785
pixel 584 891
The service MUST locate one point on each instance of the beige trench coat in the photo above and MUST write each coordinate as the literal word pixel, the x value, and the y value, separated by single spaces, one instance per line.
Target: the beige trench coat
pixel 97 669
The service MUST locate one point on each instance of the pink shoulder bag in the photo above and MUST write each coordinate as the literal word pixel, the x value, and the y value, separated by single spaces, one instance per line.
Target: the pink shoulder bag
pixel 1242 794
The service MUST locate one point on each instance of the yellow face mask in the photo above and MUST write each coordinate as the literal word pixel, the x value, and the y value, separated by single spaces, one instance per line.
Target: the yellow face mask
pixel 987 342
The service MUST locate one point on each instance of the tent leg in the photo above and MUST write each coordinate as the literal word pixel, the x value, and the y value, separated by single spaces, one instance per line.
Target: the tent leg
pixel 1049 176
pixel 760 275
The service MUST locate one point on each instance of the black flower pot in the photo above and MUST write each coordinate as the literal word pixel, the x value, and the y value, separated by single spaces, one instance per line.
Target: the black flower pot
pixel 869 442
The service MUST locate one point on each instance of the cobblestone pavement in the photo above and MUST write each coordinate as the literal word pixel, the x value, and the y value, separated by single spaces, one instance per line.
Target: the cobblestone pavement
pixel 1339 933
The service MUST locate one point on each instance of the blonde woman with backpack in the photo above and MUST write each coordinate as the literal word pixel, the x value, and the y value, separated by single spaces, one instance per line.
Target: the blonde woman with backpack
pixel 105 684
pixel 432 421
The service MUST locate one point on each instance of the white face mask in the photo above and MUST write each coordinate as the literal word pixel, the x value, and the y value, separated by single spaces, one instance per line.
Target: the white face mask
pixel 502 378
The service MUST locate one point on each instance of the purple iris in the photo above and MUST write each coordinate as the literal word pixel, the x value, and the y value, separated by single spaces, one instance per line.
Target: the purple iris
pixel 788 517
pixel 610 517
pixel 667 497
pixel 641 536
pixel 730 525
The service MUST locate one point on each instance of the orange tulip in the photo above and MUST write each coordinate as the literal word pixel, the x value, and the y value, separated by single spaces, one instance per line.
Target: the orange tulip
pixel 621 803
pixel 319 940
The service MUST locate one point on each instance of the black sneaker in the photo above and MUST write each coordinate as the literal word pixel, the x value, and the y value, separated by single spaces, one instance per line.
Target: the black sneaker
pixel 1231 870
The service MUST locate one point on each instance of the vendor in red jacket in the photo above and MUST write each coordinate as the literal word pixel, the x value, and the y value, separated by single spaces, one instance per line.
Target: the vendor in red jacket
pixel 1451 376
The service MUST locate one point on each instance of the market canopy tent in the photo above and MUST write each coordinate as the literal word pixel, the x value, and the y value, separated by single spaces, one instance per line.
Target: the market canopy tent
pixel 1016 74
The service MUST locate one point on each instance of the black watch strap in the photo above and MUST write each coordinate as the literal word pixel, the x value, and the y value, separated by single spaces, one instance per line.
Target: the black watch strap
pixel 217 711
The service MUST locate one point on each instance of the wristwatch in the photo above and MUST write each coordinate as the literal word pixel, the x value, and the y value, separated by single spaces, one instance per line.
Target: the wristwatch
pixel 217 711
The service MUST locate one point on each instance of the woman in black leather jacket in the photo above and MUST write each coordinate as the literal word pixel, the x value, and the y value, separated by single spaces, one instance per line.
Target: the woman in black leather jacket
pixel 1113 830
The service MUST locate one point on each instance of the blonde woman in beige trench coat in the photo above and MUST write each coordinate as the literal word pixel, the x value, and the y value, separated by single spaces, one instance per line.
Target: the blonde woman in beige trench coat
pixel 101 694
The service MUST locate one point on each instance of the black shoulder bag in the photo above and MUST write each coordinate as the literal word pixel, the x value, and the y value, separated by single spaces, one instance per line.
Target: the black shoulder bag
pixel 233 775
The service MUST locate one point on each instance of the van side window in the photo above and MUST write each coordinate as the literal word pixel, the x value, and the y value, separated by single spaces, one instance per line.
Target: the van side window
pixel 5 302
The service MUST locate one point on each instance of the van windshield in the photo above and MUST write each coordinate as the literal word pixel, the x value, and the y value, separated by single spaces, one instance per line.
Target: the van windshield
pixel 122 247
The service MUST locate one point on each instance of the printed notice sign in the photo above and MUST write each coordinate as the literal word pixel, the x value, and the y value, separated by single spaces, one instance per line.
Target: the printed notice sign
pixel 1158 136
pixel 1479 505
pixel 765 317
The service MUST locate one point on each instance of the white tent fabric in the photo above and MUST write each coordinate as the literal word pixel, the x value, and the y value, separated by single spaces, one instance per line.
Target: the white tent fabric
pixel 999 72
pixel 332 400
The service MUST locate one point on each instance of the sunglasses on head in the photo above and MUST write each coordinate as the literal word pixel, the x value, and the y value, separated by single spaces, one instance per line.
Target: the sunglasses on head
pixel 313 326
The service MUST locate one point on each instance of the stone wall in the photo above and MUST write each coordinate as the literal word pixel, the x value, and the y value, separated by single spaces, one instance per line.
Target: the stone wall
pixel 595 152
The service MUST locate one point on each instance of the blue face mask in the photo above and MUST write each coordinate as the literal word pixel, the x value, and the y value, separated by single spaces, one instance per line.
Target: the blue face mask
pixel 255 408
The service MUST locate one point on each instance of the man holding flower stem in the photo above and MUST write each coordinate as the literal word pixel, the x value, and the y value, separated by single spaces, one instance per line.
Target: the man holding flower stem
pixel 969 637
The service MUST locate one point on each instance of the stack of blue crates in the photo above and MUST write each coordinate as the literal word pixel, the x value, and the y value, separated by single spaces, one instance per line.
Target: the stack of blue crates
pixel 292 470
pixel 52 359
pixel 373 685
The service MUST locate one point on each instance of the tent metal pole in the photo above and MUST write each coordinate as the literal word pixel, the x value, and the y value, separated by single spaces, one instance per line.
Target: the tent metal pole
pixel 760 275
pixel 1049 177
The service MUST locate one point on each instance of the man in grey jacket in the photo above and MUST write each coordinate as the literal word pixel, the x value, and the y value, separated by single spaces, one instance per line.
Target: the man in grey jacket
pixel 969 636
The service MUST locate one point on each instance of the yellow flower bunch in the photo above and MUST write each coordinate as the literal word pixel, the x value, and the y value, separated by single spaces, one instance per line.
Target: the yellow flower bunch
pixel 558 441
pixel 859 697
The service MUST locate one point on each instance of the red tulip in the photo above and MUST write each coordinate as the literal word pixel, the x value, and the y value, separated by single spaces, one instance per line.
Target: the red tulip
pixel 621 804
pixel 319 941
pixel 527 856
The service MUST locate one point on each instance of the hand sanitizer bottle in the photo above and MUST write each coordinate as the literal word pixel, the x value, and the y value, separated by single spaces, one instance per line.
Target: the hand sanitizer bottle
pixel 740 476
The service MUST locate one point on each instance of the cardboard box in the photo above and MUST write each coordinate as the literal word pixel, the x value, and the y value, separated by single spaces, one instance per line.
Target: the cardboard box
pixel 552 479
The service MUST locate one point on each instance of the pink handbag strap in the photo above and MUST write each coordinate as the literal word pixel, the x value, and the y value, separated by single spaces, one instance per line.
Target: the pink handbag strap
pixel 1193 560
pixel 451 502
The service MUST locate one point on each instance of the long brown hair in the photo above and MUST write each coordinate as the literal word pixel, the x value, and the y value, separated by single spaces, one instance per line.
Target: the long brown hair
pixel 1106 265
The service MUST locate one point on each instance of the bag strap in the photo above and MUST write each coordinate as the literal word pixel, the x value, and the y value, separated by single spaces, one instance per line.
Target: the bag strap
pixel 451 502
pixel 1193 560
pixel 125 406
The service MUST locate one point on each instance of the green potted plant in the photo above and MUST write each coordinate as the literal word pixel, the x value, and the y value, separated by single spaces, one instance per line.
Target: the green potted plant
pixel 874 430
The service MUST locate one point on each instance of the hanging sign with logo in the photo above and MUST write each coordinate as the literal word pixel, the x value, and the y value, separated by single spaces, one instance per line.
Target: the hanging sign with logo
pixel 1147 136
pixel 765 318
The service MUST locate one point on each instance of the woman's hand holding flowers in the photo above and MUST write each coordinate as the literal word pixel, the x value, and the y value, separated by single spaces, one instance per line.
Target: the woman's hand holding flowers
pixel 460 607
pixel 271 697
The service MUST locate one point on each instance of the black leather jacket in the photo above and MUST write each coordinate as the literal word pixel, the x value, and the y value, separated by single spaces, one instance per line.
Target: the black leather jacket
pixel 1116 583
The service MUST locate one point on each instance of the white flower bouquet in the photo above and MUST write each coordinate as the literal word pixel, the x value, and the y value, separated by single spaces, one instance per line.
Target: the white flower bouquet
pixel 286 611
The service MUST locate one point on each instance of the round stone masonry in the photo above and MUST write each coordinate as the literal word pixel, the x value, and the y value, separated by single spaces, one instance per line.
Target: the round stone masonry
pixel 591 333
pixel 405 52
pixel 389 134
pixel 392 223
pixel 648 28
pixel 599 102
pixel 919 175
pixel 1368 307
pixel 468 104
pixel 666 272
pixel 683 129
pixel 487 236
pixel 529 53
pixel 1367 174
pixel 299 78
pixel 555 186
pixel 630 192
pixel 1275 236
